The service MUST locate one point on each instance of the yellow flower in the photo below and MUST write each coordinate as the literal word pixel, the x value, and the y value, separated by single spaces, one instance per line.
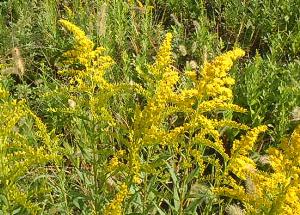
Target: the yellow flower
pixel 243 146
pixel 19 155
pixel 3 93
pixel 82 42
pixel 164 55
pixel 93 60
pixel 115 206
pixel 214 80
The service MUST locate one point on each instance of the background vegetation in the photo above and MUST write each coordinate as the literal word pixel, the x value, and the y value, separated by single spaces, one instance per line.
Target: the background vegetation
pixel 60 180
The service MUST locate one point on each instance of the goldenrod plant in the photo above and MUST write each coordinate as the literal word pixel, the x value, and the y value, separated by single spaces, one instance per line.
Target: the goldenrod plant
pixel 27 151
pixel 171 137
pixel 275 191
pixel 103 112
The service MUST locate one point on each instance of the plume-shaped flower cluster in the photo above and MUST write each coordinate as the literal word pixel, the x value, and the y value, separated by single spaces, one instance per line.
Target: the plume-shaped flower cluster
pixel 93 60
pixel 115 206
pixel 20 154
pixel 267 192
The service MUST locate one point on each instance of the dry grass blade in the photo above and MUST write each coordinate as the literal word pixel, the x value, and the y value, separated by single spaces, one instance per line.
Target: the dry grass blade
pixel 17 66
pixel 102 20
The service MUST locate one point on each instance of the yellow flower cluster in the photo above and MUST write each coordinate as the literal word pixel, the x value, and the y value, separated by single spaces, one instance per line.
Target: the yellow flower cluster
pixel 240 163
pixel 164 56
pixel 83 45
pixel 88 86
pixel 275 192
pixel 286 177
pixel 18 155
pixel 214 76
pixel 92 59
pixel 165 92
pixel 92 92
pixel 209 94
pixel 115 162
pixel 115 206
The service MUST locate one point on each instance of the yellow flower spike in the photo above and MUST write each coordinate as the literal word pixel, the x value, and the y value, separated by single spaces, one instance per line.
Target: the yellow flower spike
pixel 115 206
pixel 82 42
pixel 246 143
pixel 164 56
pixel 19 156
pixel 94 62
pixel 279 190
pixel 240 163
pixel 113 164
pixel 3 93
pixel 215 81
pixel 219 104
pixel 83 45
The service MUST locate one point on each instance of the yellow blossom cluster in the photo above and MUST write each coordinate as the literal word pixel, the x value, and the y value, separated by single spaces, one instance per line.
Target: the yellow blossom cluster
pixel 83 45
pixel 91 93
pixel 115 206
pixel 166 97
pixel 277 192
pixel 88 87
pixel 164 56
pixel 115 162
pixel 266 192
pixel 240 163
pixel 214 81
pixel 210 93
pixel 285 180
pixel 18 155
pixel 93 60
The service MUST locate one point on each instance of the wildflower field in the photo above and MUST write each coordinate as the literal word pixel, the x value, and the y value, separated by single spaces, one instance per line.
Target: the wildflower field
pixel 150 107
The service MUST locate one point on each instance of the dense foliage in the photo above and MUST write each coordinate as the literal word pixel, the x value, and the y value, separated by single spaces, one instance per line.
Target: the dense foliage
pixel 92 123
